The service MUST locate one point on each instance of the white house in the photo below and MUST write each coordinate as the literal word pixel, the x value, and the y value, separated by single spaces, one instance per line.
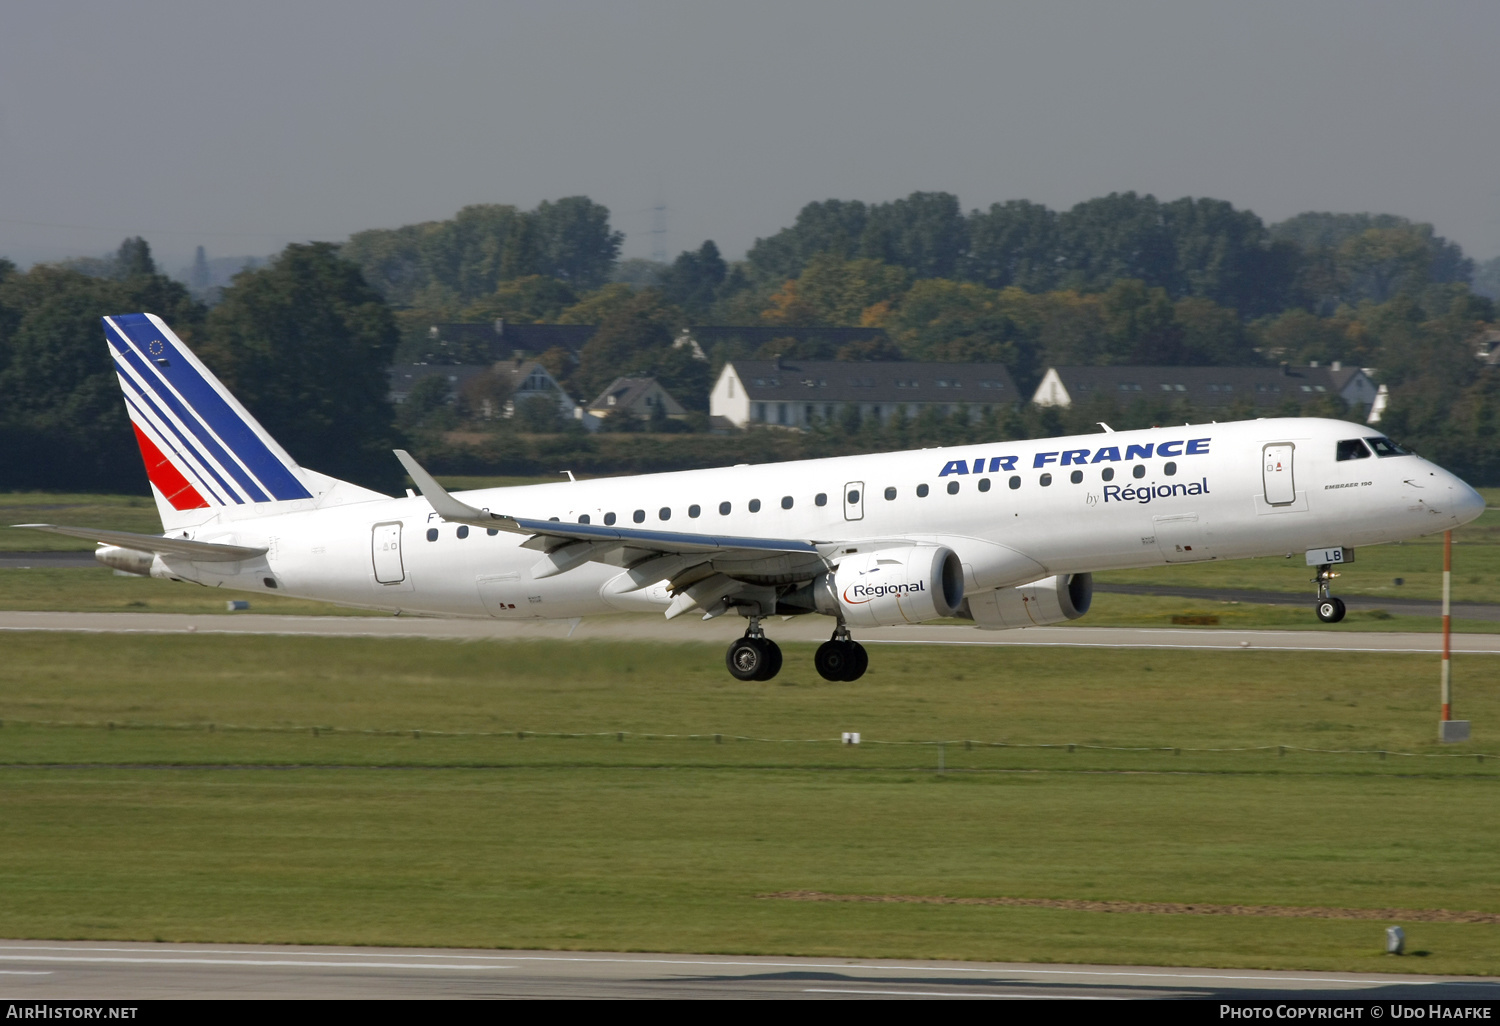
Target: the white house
pixel 635 397
pixel 800 393
pixel 1209 388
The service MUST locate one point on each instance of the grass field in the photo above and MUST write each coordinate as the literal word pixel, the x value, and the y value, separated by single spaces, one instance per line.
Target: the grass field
pixel 175 787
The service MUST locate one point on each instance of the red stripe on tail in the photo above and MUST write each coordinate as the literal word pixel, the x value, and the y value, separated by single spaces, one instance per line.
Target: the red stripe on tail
pixel 167 478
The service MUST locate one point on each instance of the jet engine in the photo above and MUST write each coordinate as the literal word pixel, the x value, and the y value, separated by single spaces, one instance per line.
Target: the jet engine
pixel 884 587
pixel 1051 600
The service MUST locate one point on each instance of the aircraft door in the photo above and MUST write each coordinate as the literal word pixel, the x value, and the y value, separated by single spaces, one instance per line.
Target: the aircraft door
pixel 1276 473
pixel 854 500
pixel 385 549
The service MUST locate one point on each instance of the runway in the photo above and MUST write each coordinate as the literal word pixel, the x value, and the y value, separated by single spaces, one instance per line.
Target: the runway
pixel 40 970
pixel 721 630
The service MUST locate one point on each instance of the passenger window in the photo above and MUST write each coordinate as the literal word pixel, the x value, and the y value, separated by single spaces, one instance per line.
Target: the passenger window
pixel 921 491
pixel 854 496
pixel 432 534
pixel 1015 482
pixel 609 520
pixel 1352 449
pixel 984 484
pixel 890 493
pixel 786 502
pixel 694 511
pixel 1076 477
pixel 1108 473
pixel 723 509
pixel 1169 468
pixel 492 531
pixel 821 499
pixel 665 513
pixel 463 530
pixel 1046 480
pixel 952 487
pixel 639 516
pixel 1139 471
pixel 584 519
pixel 754 505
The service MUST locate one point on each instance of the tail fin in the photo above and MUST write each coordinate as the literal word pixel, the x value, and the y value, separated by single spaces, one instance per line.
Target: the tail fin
pixel 206 456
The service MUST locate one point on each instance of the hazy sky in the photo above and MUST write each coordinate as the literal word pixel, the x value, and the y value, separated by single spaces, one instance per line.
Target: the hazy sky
pixel 248 125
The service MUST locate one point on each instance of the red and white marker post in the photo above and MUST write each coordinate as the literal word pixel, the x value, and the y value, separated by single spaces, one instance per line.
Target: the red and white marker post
pixel 1449 729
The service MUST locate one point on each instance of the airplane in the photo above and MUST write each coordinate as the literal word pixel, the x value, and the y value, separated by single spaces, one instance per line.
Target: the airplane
pixel 1000 534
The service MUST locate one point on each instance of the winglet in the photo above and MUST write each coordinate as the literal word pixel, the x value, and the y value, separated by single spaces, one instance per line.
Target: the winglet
pixel 443 504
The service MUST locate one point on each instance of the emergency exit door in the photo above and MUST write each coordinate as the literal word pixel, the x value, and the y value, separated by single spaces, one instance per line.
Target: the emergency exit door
pixel 1276 473
pixel 385 547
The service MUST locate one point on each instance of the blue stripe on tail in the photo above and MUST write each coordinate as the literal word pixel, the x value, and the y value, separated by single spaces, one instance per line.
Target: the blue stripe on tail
pixel 206 407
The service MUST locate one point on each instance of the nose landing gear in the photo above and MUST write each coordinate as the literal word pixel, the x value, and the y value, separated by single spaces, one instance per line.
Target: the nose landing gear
pixel 841 658
pixel 1330 609
pixel 755 656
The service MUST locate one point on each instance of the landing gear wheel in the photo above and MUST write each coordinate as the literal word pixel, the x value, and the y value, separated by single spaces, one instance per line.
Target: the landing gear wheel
pixel 773 659
pixel 834 659
pixel 1331 610
pixel 747 659
pixel 841 658
pixel 859 662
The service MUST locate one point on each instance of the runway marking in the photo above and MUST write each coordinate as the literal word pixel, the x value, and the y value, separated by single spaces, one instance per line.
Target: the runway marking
pixel 477 629
pixel 991 969
pixel 1261 646
pixel 25 972
pixel 1237 647
pixel 955 994
pixel 250 962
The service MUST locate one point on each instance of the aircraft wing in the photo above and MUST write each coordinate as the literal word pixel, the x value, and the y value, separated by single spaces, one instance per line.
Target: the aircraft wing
pixel 449 508
pixel 684 559
pixel 206 552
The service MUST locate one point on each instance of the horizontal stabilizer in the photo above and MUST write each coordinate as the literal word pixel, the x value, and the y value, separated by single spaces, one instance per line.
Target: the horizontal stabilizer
pixel 206 552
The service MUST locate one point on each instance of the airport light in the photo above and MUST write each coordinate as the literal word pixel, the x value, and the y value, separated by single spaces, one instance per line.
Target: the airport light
pixel 1395 940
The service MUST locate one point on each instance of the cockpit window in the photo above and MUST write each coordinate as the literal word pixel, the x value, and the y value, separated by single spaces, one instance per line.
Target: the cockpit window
pixel 1352 449
pixel 1386 447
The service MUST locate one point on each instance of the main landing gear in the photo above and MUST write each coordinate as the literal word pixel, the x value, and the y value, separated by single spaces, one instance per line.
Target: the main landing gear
pixel 1330 609
pixel 841 657
pixel 757 657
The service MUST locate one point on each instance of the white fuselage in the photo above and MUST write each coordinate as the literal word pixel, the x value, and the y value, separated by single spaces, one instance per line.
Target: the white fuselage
pixel 1216 491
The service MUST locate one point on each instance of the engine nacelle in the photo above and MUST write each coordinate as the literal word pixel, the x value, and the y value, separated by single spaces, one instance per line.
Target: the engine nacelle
pixel 1052 600
pixel 885 587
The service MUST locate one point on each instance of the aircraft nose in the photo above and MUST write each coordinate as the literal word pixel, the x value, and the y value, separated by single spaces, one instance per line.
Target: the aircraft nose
pixel 1467 503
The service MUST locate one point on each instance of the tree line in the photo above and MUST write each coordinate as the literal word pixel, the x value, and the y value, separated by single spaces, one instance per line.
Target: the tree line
pixel 304 343
pixel 305 340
